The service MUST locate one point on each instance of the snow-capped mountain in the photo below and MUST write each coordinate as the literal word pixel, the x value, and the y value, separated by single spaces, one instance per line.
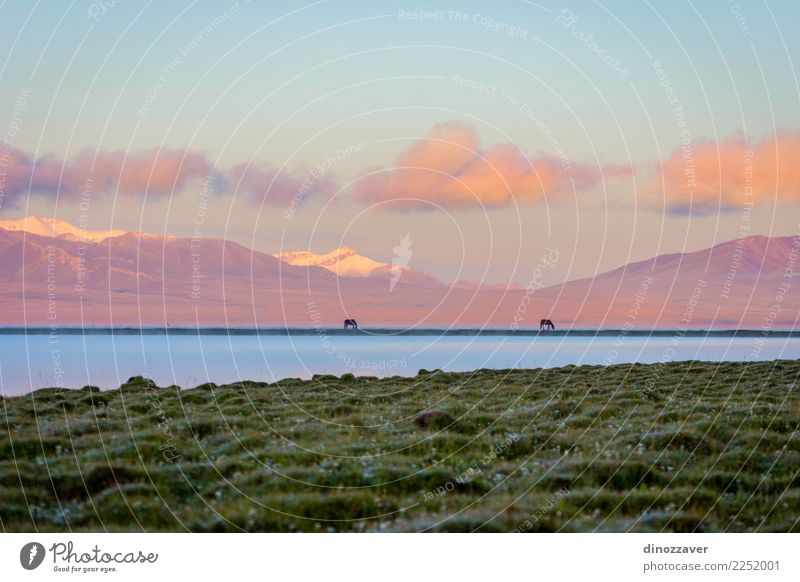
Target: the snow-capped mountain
pixel 343 261
pixel 347 262
pixel 147 279
pixel 54 227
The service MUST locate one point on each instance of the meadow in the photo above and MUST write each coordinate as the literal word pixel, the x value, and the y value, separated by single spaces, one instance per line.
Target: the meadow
pixel 687 446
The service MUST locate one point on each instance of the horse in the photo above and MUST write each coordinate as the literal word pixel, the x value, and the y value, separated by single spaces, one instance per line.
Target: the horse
pixel 546 324
pixel 350 323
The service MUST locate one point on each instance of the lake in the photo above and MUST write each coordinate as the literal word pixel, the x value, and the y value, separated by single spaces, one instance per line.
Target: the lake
pixel 73 360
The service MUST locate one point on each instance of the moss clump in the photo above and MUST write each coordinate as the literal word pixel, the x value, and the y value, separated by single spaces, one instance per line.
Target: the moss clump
pixel 434 420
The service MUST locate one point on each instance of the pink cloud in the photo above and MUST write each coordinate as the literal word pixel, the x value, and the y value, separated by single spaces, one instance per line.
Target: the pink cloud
pixel 448 168
pixel 704 176
pixel 158 172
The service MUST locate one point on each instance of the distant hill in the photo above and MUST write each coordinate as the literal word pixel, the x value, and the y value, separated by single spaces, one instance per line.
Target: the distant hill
pixel 732 284
pixel 123 278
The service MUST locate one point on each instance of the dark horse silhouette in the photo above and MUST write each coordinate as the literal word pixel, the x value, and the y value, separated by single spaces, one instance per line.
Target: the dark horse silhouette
pixel 546 324
pixel 350 323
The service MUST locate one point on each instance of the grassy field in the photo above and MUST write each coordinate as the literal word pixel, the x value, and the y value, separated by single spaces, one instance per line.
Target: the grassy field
pixel 678 447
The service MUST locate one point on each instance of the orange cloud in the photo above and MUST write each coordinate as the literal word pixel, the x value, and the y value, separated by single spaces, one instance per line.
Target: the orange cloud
pixel 448 168
pixel 704 176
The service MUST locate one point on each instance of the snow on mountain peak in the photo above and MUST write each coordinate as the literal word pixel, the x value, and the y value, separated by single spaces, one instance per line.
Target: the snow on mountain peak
pixel 343 261
pixel 53 227
pixel 344 251
pixel 347 262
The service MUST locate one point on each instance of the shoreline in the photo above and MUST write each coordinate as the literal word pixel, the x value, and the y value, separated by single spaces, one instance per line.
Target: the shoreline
pixel 315 379
pixel 389 332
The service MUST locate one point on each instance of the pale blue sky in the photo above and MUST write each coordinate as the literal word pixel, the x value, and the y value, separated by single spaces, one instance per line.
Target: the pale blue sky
pixel 293 83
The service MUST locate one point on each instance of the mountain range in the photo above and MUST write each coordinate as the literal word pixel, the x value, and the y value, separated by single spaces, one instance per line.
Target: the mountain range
pixel 54 273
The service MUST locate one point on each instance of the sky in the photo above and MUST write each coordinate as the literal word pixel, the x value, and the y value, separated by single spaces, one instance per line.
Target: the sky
pixel 487 133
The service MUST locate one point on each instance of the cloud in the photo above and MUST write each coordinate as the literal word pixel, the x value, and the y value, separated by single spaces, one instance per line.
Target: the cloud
pixel 155 172
pixel 704 176
pixel 448 168
pixel 265 183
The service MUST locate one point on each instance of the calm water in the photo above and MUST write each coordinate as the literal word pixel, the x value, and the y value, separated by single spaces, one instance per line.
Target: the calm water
pixel 72 361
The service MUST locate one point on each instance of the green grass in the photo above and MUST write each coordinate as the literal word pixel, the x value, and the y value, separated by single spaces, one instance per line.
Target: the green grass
pixel 678 447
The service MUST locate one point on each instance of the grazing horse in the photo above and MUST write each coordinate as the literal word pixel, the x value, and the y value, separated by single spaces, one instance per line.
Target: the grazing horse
pixel 546 324
pixel 350 323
